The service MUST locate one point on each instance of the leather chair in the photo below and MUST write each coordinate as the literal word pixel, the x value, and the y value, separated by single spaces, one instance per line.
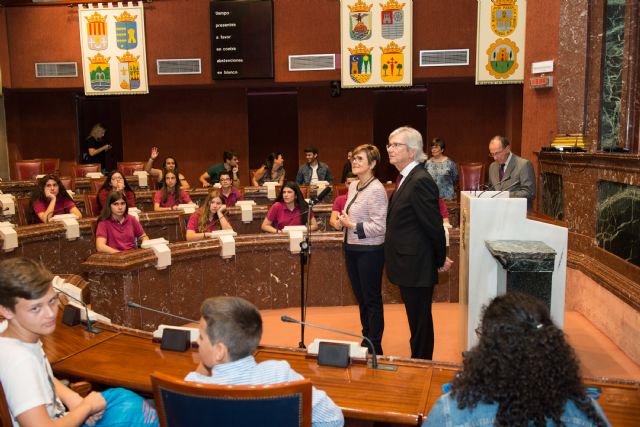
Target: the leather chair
pixel 128 168
pixel 91 205
pixel 68 183
pixel 340 189
pixel 26 215
pixel 95 185
pixel 50 166
pixel 471 176
pixel 27 170
pixel 80 171
pixel 187 404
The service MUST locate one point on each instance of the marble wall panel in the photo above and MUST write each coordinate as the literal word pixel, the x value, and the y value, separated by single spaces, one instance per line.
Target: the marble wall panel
pixel 326 280
pixel 186 294
pixel 552 195
pixel 252 278
pixel 284 279
pixel 618 220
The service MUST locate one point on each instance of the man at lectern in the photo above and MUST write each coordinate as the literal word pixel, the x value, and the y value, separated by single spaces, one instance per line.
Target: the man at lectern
pixel 509 172
pixel 415 246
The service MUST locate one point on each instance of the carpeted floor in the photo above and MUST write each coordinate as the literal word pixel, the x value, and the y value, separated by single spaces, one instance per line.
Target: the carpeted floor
pixel 598 355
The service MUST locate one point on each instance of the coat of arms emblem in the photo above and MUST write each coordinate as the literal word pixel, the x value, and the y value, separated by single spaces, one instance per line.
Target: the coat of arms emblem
pixel 129 71
pixel 392 18
pixel 126 31
pixel 360 21
pixel 360 63
pixel 391 62
pixel 97 32
pixel 503 58
pixel 100 72
pixel 504 17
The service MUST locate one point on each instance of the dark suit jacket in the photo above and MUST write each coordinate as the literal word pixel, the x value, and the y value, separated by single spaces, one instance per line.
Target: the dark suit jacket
pixel 415 245
pixel 518 171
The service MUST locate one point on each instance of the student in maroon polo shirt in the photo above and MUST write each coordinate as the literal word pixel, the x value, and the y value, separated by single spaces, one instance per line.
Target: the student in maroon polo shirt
pixel 171 194
pixel 290 208
pixel 117 231
pixel 209 217
pixel 50 198
pixel 228 193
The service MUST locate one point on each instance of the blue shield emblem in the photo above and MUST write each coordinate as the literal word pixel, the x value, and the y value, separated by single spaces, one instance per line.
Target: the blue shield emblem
pixel 127 35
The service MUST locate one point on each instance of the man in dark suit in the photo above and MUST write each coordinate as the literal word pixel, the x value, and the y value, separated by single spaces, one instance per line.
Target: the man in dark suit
pixel 415 247
pixel 511 173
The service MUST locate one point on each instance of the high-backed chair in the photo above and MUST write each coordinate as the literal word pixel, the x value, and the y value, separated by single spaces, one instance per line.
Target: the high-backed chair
pixel 68 182
pixel 25 213
pixel 471 176
pixel 91 205
pixel 5 414
pixel 50 166
pixel 187 404
pixel 95 185
pixel 340 189
pixel 80 171
pixel 28 169
pixel 128 168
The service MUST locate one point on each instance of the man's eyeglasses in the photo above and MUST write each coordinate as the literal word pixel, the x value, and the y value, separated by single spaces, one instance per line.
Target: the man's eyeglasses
pixel 394 145
pixel 497 153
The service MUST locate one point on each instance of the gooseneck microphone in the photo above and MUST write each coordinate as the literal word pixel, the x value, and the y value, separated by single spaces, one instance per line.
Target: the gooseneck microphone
pixel 374 359
pixel 90 327
pixel 319 197
pixel 142 307
pixel 506 189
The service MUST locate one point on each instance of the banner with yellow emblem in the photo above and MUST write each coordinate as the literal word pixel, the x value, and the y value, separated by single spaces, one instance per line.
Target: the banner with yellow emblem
pixel 500 48
pixel 376 43
pixel 113 49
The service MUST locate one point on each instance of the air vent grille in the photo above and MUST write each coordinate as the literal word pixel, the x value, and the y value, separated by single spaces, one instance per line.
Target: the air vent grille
pixel 444 58
pixel 56 69
pixel 312 62
pixel 179 66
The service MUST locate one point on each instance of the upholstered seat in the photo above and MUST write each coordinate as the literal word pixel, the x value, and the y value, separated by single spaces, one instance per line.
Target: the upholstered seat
pixel 28 169
pixel 80 171
pixel 128 168
pixel 50 166
pixel 187 404
pixel 471 176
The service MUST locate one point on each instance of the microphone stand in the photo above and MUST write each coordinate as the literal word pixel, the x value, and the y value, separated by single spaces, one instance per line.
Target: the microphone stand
pixel 305 254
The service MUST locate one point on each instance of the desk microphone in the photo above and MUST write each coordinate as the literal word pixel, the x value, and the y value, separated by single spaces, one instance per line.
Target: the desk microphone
pixel 90 327
pixel 485 188
pixel 506 189
pixel 374 360
pixel 142 307
pixel 319 197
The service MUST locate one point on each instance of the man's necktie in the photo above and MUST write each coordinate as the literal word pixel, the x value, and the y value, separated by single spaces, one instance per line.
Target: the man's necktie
pixel 501 173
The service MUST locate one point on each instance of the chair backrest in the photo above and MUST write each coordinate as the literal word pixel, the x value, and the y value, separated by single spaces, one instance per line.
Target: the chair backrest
pixel 471 176
pixel 187 404
pixel 96 184
pixel 91 205
pixel 340 189
pixel 305 191
pixel 50 166
pixel 80 171
pixel 127 168
pixel 26 215
pixel 5 414
pixel 68 182
pixel 28 169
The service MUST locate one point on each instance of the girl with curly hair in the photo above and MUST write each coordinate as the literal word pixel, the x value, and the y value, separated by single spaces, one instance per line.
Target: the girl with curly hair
pixel 209 217
pixel 50 198
pixel 522 372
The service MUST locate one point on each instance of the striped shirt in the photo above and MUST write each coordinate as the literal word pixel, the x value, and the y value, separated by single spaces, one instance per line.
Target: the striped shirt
pixel 246 371
pixel 369 212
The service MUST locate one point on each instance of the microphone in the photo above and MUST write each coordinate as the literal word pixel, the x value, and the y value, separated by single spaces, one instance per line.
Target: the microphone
pixel 90 327
pixel 319 197
pixel 485 188
pixel 374 360
pixel 142 307
pixel 507 189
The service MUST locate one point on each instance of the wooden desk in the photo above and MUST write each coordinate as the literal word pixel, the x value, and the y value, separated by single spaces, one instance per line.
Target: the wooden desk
pixel 404 396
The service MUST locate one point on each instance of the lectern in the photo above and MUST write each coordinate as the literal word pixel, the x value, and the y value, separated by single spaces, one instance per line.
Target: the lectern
pixel 487 216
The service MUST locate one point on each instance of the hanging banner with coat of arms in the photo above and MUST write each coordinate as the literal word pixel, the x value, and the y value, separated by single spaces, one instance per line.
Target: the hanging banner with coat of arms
pixel 113 49
pixel 500 48
pixel 376 43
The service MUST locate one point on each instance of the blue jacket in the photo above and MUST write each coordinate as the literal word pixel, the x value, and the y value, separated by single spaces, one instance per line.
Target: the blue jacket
pixel 445 413
pixel 305 171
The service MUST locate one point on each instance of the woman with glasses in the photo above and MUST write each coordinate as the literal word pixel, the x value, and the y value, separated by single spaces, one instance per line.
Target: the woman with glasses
pixel 522 372
pixel 115 181
pixel 443 170
pixel 364 221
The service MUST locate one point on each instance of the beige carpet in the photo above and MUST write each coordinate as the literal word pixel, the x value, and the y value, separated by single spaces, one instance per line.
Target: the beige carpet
pixel 599 356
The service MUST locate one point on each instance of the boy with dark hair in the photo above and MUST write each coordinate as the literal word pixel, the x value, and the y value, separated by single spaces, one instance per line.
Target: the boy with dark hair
pixel 228 193
pixel 313 170
pixel 229 164
pixel 230 331
pixel 35 397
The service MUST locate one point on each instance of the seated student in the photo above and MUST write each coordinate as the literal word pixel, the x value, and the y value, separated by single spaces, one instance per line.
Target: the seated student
pixel 117 231
pixel 51 198
pixel 340 202
pixel 230 331
pixel 290 208
pixel 169 164
pixel 35 397
pixel 165 199
pixel 229 164
pixel 209 217
pixel 115 181
pixel 522 372
pixel 228 193
pixel 272 170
